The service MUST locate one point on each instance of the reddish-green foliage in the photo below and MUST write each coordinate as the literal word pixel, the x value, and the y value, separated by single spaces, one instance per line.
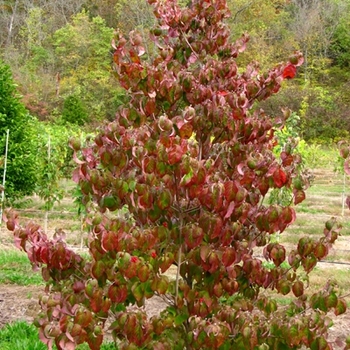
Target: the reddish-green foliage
pixel 190 159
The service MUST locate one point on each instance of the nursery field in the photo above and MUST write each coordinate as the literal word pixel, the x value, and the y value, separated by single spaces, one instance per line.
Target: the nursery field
pixel 20 286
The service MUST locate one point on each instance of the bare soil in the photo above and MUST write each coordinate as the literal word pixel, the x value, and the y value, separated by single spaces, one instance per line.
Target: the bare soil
pixel 18 303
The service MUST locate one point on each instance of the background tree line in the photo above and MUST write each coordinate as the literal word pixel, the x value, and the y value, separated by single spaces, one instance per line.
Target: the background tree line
pixel 61 49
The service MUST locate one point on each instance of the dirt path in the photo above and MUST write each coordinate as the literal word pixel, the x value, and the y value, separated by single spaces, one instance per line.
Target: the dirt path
pixel 18 303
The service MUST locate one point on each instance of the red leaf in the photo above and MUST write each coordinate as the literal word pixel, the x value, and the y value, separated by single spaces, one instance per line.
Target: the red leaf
pixel 309 262
pixel 216 228
pixel 264 186
pixel 83 318
pixel 193 236
pixel 109 241
pixel 278 254
pixel 175 155
pixel 240 169
pixel 288 215
pixel 287 159
pixel 44 339
pixel 229 256
pixel 150 106
pixel 117 293
pixel 273 214
pixel 146 201
pixel 76 159
pixel 226 237
pixel 10 224
pixel 44 255
pixel 320 251
pixel 289 72
pixel 230 209
pixel 332 300
pixel 204 252
pixel 131 271
pixel 213 261
pixel 299 196
pixel 94 341
pixel 186 131
pixel 230 190
pixel 280 178
pixel 166 261
pixel 78 286
pixel 294 259
pixel 96 302
pixel 218 290
pixel 134 57
pixel 298 288
pixel 149 165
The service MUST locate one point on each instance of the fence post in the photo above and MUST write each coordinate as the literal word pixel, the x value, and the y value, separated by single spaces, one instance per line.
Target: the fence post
pixel 4 175
pixel 46 219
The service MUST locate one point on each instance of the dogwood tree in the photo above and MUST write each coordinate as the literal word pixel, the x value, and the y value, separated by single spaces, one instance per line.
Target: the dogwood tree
pixel 189 160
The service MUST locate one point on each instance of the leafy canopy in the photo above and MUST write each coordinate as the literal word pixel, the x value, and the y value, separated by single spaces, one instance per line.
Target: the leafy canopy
pixel 21 163
pixel 83 51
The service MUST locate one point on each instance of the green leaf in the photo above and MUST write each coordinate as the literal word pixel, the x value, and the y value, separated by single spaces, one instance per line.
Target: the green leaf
pixel 332 300
pixel 165 200
pixel 172 310
pixel 138 291
pixel 293 331
pixel 226 346
pixel 148 290
pixel 180 319
pixel 132 185
pixel 98 269
pixel 186 179
pixel 309 262
pixel 340 307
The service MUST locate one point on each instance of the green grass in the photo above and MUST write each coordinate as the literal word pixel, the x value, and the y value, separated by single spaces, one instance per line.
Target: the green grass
pixel 23 336
pixel 271 265
pixel 15 268
pixel 20 336
pixel 319 275
pixel 305 208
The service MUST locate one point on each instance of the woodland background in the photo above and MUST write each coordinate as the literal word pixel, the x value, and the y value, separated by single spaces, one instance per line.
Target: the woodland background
pixel 60 55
